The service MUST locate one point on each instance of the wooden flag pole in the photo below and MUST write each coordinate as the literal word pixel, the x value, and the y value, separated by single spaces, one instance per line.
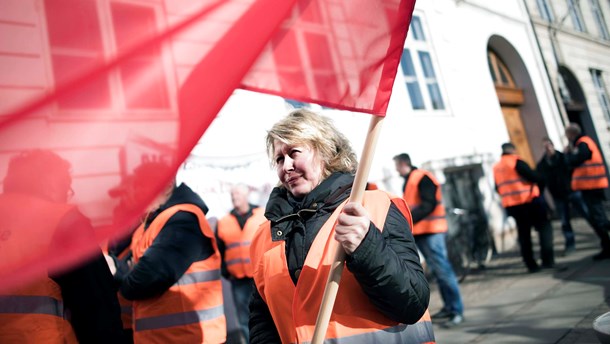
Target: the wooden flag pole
pixel 356 195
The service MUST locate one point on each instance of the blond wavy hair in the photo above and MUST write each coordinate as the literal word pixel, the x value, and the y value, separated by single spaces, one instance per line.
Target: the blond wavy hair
pixel 304 127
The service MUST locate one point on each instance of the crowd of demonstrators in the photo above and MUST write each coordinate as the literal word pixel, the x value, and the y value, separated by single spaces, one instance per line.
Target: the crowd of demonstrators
pixel 516 183
pixel 234 234
pixel 384 294
pixel 421 191
pixel 163 280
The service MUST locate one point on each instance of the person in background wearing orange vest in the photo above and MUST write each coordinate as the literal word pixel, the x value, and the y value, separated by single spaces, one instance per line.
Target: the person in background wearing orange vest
pixel 516 183
pixel 175 280
pixel 422 193
pixel 383 294
pixel 75 306
pixel 234 235
pixel 589 177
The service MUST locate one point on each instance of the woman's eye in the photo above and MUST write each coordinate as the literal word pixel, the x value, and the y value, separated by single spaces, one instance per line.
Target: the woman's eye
pixel 279 159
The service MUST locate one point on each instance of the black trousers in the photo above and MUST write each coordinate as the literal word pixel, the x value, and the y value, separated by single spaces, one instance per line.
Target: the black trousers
pixel 530 215
pixel 597 216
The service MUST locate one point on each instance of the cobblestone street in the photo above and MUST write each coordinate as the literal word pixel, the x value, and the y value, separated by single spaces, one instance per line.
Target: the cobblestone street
pixel 505 304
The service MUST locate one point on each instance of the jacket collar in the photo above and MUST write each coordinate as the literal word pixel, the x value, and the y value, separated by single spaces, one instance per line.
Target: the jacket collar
pixel 284 211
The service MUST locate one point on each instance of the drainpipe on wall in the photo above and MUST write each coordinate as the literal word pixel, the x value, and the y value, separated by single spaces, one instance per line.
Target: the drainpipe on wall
pixel 555 89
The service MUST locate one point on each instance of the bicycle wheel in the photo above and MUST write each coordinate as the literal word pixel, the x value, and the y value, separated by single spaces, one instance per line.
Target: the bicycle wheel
pixel 459 257
pixel 483 248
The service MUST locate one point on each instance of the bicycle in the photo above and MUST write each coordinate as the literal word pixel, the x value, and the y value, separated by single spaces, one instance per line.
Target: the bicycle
pixel 469 241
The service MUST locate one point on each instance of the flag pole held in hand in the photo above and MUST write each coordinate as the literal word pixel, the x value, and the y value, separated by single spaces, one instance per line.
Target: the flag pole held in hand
pixel 336 268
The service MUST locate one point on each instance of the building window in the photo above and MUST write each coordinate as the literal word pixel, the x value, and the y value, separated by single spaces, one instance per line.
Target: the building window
pixel 602 92
pixel 418 70
pixel 499 72
pixel 576 15
pixel 97 30
pixel 544 8
pixel 600 20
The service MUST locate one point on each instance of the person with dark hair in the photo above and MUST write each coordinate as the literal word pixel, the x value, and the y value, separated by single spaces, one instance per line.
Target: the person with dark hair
pixel 77 305
pixel 517 185
pixel 422 193
pixel 383 296
pixel 174 282
pixel 589 177
pixel 555 175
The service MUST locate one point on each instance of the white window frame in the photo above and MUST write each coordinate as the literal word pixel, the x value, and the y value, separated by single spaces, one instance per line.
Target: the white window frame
pixel 118 107
pixel 600 20
pixel 415 46
pixel 545 10
pixel 578 21
pixel 602 92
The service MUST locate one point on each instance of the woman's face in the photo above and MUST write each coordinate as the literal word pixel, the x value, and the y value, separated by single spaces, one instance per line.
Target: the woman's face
pixel 298 168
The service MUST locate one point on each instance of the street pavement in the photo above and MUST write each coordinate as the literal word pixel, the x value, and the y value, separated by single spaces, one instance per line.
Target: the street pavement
pixel 506 304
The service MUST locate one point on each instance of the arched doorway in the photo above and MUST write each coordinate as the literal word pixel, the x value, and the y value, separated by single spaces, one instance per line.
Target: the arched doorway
pixel 511 98
pixel 575 103
pixel 517 98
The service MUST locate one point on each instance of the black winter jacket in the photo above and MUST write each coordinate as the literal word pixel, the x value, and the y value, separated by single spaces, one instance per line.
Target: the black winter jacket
pixel 555 174
pixel 389 256
pixel 179 244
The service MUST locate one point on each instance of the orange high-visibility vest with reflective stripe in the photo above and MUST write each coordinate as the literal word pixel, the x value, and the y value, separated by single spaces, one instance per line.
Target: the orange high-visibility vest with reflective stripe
pixel 294 309
pixel 435 222
pixel 592 173
pixel 191 310
pixel 33 313
pixel 513 189
pixel 237 242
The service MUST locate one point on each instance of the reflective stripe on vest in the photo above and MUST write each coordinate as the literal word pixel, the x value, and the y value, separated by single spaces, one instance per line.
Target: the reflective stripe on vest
pixel 512 188
pixel 126 309
pixel 237 242
pixel 420 332
pixel 592 173
pixel 199 277
pixel 31 304
pixel 294 309
pixel 178 319
pixel 32 313
pixel 436 221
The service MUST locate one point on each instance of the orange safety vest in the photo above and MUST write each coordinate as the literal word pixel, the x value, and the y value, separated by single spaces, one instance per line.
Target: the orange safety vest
pixel 294 309
pixel 191 310
pixel 513 189
pixel 592 173
pixel 435 222
pixel 32 313
pixel 237 242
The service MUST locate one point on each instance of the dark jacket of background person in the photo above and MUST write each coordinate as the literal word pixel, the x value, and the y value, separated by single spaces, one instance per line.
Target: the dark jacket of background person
pixel 555 175
pixel 299 236
pixel 89 293
pixel 179 244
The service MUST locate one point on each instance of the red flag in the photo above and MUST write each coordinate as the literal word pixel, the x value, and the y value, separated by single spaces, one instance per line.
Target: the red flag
pixel 101 101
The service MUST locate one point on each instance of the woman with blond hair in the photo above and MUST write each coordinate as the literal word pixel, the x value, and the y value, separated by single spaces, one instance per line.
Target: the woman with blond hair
pixel 383 295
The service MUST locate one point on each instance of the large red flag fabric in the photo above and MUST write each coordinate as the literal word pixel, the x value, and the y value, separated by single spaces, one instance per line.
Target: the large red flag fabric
pixel 102 100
